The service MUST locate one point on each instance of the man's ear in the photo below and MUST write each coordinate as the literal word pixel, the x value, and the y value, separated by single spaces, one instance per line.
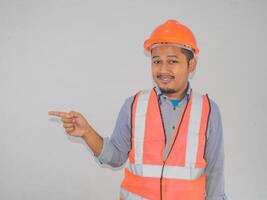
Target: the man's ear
pixel 192 64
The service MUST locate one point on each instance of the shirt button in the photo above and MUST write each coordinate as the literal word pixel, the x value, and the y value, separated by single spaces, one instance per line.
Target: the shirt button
pixel 174 108
pixel 173 127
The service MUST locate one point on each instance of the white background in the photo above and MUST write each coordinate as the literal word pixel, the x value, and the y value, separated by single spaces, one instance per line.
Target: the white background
pixel 88 56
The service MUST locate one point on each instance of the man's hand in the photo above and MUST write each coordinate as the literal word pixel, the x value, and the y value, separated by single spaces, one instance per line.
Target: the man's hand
pixel 76 125
pixel 73 122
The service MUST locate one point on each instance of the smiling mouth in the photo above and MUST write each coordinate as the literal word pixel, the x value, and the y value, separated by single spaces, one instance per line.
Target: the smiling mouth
pixel 165 78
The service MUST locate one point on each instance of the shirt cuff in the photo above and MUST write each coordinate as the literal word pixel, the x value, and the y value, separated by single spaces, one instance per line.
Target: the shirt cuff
pixel 106 153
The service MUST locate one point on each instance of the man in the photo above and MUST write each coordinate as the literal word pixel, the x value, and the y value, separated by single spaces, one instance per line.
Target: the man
pixel 171 135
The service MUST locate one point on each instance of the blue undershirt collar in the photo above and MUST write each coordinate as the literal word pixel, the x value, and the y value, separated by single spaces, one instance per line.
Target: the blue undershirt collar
pixel 175 102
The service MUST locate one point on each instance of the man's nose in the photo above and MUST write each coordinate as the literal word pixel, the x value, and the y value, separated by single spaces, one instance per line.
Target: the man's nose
pixel 164 67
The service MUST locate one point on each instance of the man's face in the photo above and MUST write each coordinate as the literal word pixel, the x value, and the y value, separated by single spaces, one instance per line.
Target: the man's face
pixel 170 70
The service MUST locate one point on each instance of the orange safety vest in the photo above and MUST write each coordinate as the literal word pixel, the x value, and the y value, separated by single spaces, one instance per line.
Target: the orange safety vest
pixel 181 175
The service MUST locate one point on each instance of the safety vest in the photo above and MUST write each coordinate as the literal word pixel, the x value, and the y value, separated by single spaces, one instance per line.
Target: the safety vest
pixel 181 175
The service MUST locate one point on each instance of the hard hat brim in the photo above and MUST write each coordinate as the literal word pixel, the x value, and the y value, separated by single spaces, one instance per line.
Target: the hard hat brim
pixel 149 42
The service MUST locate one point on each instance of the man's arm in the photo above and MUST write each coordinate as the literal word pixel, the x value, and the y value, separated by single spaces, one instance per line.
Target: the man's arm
pixel 93 140
pixel 112 151
pixel 214 156
pixel 115 149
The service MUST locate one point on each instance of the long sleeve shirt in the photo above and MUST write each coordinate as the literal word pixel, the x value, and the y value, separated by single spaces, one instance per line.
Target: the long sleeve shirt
pixel 116 148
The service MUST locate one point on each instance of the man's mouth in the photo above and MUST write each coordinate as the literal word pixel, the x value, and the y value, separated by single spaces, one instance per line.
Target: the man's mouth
pixel 164 78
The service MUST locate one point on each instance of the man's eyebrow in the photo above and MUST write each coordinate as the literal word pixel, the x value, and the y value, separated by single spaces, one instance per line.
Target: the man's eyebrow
pixel 155 57
pixel 172 56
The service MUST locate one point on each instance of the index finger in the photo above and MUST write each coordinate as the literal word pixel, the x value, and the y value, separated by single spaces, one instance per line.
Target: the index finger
pixel 59 114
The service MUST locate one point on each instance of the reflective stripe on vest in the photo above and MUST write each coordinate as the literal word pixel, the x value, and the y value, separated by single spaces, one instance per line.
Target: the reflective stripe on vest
pixel 174 172
pixel 187 172
pixel 193 130
pixel 126 195
pixel 140 120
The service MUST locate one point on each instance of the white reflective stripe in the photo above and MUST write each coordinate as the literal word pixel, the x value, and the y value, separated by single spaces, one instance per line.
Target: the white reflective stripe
pixel 136 169
pixel 145 170
pixel 173 172
pixel 152 170
pixel 139 126
pixel 186 173
pixel 193 130
pixel 126 195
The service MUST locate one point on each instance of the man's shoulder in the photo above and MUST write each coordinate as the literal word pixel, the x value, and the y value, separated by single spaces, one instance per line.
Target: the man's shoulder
pixel 212 102
pixel 129 100
pixel 214 106
pixel 215 113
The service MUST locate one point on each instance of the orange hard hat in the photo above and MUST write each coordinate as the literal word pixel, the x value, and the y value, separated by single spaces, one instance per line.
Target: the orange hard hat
pixel 173 32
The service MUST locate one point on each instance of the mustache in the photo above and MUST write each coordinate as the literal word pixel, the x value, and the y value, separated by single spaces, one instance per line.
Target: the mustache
pixel 165 75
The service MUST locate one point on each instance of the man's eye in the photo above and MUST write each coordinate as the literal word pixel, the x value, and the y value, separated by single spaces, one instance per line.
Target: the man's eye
pixel 173 61
pixel 156 62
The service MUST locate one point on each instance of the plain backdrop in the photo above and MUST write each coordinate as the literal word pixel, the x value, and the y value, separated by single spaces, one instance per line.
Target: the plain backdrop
pixel 88 56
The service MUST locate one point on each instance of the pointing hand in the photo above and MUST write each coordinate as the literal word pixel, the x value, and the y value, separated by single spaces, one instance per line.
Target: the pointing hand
pixel 73 122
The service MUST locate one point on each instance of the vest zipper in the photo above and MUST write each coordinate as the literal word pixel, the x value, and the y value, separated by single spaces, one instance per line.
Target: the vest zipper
pixel 165 142
pixel 161 177
pixel 164 161
pixel 179 125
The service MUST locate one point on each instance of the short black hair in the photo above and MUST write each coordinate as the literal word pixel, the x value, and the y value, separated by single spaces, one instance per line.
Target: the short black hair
pixel 189 54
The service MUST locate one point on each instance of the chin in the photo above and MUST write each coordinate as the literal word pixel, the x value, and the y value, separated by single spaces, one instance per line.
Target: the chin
pixel 167 90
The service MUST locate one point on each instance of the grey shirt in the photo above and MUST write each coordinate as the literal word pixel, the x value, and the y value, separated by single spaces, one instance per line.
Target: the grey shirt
pixel 115 149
